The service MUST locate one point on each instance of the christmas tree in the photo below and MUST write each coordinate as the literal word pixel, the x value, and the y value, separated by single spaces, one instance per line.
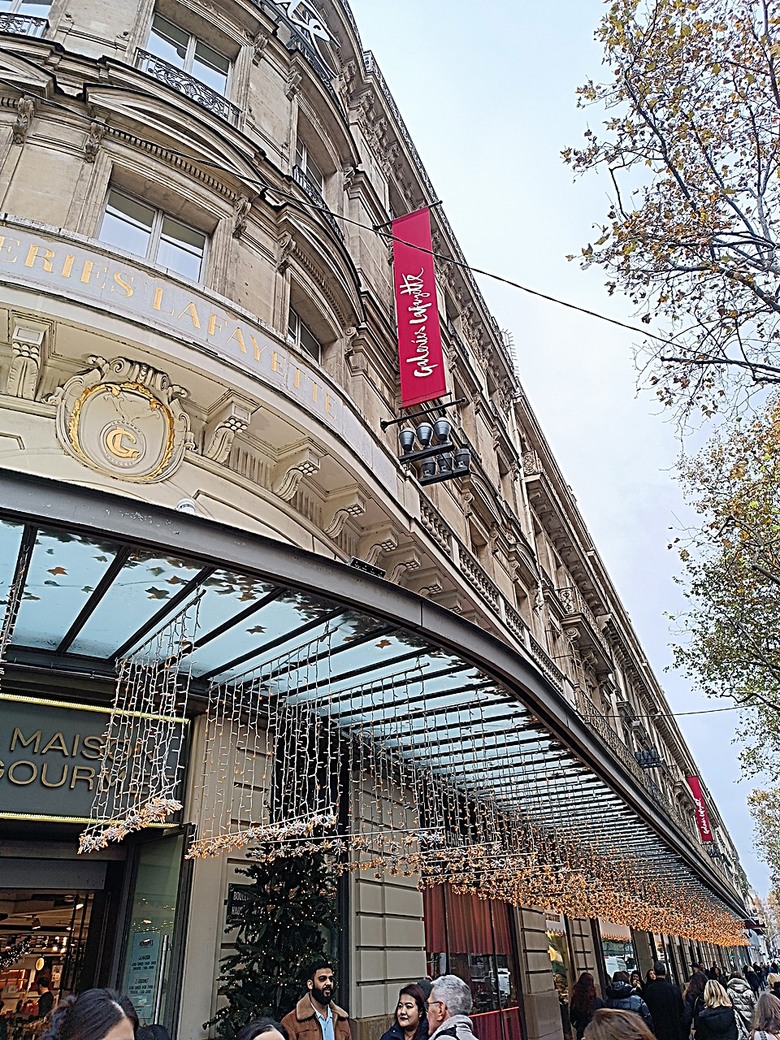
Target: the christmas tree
pixel 286 923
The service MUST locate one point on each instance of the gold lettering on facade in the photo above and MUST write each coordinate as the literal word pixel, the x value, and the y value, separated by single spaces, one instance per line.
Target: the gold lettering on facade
pixel 67 267
pixel 238 336
pixel 19 737
pixel 115 443
pixel 32 255
pixel 125 285
pixel 85 774
pixel 297 378
pixel 213 327
pixel 192 310
pixel 157 302
pixel 22 781
pixel 93 744
pixel 56 743
pixel 7 248
pixel 45 775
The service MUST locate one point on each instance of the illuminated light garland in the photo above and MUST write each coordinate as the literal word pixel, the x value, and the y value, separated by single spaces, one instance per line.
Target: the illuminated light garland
pixel 15 953
pixel 141 766
pixel 286 776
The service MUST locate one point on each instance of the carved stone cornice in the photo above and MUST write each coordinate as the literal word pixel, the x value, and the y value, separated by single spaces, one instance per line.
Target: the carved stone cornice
pixel 302 460
pixel 379 540
pixel 231 415
pixel 341 506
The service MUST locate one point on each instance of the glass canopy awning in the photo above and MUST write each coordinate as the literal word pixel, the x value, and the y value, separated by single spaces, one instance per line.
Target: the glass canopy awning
pixel 85 600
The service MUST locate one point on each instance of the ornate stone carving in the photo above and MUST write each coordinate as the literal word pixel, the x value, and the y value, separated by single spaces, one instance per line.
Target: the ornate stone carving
pixel 259 44
pixel 340 506
pixel 230 416
pixel 293 84
pixel 380 540
pixel 124 419
pixel 25 111
pixel 28 346
pixel 301 461
pixel 241 211
pixel 285 248
pixel 97 132
pixel 406 565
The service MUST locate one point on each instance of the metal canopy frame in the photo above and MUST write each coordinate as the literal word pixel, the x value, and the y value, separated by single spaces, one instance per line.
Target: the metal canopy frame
pixel 590 785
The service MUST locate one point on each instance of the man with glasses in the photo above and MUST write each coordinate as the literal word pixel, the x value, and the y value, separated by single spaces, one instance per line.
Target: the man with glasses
pixel 449 1006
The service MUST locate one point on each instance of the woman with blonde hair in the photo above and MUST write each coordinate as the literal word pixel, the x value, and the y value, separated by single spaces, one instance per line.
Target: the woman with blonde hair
pixel 613 1024
pixel 766 1018
pixel 717 1019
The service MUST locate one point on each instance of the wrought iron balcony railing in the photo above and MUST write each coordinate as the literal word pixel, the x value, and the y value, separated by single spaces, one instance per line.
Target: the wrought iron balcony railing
pixel 313 190
pixel 23 25
pixel 185 84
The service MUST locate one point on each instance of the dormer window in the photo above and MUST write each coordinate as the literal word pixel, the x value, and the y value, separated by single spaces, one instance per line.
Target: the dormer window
pixel 185 51
pixel 309 169
pixel 300 336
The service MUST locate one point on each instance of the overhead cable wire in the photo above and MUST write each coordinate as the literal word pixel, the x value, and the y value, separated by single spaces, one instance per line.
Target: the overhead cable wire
pixel 263 187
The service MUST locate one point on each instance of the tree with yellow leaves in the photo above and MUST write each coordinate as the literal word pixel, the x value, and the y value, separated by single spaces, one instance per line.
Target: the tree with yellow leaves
pixel 691 144
pixel 732 580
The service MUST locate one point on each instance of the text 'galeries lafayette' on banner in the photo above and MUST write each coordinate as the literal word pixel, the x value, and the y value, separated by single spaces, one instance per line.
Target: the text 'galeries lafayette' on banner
pixel 702 818
pixel 419 334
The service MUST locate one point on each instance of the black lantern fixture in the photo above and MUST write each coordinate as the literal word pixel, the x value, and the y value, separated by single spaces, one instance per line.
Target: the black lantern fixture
pixel 429 448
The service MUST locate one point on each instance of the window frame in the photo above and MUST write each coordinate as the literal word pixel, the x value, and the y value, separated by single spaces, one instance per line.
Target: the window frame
pixel 155 234
pixel 294 338
pixel 16 8
pixel 304 160
pixel 192 43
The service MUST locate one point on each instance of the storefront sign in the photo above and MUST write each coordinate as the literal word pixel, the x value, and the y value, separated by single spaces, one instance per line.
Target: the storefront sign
pixel 702 817
pixel 238 898
pixel 420 353
pixel 303 18
pixel 60 267
pixel 50 756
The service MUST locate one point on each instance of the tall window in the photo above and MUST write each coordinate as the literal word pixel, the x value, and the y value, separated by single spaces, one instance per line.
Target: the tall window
pixel 186 52
pixel 41 9
pixel 149 233
pixel 309 167
pixel 299 335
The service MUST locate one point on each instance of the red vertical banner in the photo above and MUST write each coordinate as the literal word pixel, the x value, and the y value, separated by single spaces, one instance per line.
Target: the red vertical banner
pixel 702 818
pixel 419 333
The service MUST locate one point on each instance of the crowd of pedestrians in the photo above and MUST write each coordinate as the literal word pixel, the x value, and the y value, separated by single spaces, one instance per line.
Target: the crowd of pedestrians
pixel 712 1006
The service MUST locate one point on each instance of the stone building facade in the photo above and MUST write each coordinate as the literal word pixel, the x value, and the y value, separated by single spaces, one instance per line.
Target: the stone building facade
pixel 196 314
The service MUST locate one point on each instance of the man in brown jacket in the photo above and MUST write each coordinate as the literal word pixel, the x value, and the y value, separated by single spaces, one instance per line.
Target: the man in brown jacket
pixel 316 1017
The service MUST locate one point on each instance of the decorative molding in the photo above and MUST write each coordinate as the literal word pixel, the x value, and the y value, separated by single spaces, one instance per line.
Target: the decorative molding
pixel 382 539
pixel 124 419
pixel 25 112
pixel 340 506
pixel 407 564
pixel 293 84
pixel 230 415
pixel 301 461
pixel 285 248
pixel 97 131
pixel 259 44
pixel 29 347
pixel 241 210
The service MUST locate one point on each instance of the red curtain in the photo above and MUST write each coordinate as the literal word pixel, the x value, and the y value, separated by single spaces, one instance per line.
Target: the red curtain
pixel 468 927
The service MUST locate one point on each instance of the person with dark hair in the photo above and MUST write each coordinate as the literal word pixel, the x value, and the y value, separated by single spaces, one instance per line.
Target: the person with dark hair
pixel 583 1003
pixel 666 1005
pixel 753 979
pixel 410 1022
pixel 95 1014
pixel 45 996
pixel 315 1016
pixel 694 1000
pixel 268 1028
pixel 612 1024
pixel 153 1032
pixel 620 997
pixel 766 1018
pixel 717 1020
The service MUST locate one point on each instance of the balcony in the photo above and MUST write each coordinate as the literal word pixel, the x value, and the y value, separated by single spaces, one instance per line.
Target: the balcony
pixel 185 84
pixel 580 616
pixel 314 192
pixel 23 25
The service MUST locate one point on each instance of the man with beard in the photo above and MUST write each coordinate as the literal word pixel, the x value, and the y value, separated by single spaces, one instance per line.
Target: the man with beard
pixel 316 1017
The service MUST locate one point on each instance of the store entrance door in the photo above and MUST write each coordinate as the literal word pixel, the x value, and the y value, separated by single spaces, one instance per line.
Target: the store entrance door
pixel 58 924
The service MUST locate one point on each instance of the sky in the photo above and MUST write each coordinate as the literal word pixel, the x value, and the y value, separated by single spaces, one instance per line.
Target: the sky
pixel 488 91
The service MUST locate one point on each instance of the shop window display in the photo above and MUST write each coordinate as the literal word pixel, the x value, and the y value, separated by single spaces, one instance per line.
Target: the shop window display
pixel 472 938
pixel 560 963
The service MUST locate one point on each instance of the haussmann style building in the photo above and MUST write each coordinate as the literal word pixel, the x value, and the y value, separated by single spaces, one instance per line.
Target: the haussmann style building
pixel 233 617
